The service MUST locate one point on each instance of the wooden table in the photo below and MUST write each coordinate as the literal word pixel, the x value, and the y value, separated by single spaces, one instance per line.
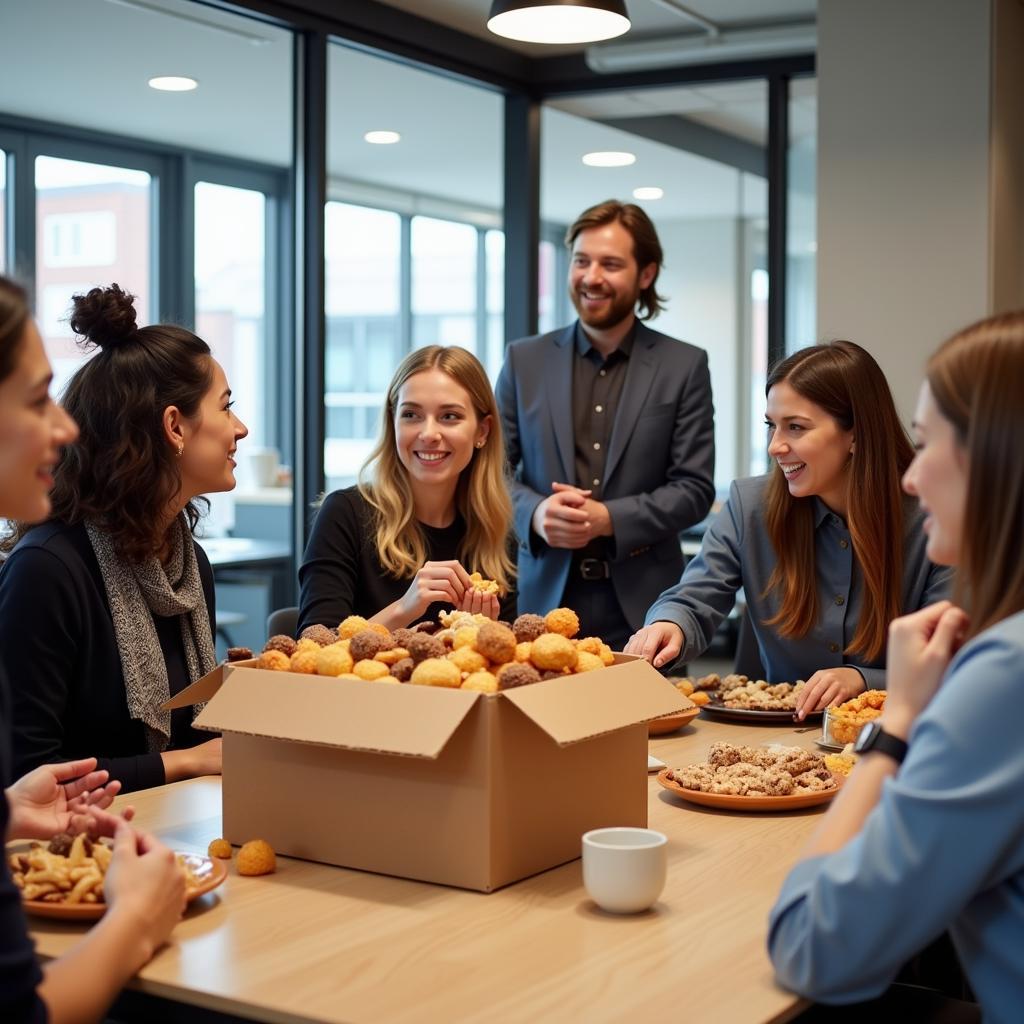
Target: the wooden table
pixel 319 943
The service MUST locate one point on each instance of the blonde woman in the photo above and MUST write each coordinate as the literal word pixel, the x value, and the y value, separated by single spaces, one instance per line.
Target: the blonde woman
pixel 431 506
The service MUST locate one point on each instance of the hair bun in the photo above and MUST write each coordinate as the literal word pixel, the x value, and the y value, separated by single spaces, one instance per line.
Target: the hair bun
pixel 104 316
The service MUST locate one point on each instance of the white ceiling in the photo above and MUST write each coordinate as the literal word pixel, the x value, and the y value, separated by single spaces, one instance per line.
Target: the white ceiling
pixel 648 17
pixel 86 62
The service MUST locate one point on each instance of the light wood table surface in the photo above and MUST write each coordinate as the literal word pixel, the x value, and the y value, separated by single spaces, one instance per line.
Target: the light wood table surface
pixel 320 943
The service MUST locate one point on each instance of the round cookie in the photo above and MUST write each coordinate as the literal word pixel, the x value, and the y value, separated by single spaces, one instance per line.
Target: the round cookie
pixel 274 661
pixel 496 643
pixel 528 627
pixel 436 672
pixel 256 857
pixel 562 620
pixel 553 651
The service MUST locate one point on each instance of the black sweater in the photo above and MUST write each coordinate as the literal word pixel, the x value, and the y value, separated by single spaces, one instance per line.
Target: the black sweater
pixel 58 649
pixel 19 973
pixel 341 574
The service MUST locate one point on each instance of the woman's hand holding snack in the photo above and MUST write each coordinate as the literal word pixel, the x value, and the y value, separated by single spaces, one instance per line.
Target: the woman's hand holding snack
pixel 70 797
pixel 479 603
pixel 447 582
pixel 826 687
pixel 921 647
pixel 145 884
pixel 660 643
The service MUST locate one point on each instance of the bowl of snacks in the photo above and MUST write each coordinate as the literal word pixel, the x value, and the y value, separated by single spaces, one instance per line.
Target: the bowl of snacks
pixel 843 723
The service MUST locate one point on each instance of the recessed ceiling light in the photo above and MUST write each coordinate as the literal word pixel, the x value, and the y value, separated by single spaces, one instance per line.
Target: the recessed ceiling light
pixel 173 83
pixel 648 192
pixel 558 21
pixel 608 158
pixel 382 138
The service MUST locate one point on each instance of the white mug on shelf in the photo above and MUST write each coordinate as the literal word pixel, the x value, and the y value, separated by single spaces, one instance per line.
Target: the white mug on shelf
pixel 263 464
pixel 624 868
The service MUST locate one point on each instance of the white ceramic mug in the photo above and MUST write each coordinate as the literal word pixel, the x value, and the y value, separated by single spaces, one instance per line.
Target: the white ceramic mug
pixel 624 868
pixel 263 463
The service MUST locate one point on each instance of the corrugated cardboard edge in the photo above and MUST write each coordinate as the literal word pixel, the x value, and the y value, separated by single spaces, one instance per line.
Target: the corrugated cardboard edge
pixel 580 707
pixel 199 692
pixel 340 713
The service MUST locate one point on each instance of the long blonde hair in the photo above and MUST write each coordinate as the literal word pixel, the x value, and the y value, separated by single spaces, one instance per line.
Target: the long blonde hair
pixel 481 497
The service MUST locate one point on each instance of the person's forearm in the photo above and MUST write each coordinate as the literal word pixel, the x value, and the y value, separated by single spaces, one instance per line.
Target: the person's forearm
pixel 850 808
pixel 81 985
pixel 392 616
pixel 178 765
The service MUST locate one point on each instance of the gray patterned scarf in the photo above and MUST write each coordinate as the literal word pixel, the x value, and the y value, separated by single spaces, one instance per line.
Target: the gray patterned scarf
pixel 137 592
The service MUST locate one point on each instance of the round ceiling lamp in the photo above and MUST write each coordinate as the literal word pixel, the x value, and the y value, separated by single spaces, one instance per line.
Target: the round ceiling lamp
pixel 558 21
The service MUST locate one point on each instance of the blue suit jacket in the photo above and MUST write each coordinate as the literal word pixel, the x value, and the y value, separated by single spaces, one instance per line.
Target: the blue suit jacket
pixel 659 474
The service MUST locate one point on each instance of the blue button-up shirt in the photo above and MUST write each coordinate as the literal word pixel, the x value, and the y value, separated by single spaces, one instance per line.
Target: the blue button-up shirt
pixel 942 849
pixel 737 552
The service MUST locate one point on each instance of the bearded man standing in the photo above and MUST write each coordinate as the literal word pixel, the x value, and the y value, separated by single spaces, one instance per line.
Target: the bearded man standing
pixel 609 428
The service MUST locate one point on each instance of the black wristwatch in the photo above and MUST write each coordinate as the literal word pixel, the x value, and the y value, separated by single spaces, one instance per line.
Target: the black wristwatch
pixel 874 737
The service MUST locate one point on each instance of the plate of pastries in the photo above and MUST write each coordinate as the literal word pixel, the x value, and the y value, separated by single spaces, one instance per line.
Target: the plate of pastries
pixel 744 778
pixel 738 697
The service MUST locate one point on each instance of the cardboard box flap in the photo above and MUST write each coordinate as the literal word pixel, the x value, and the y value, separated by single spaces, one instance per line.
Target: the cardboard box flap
pixel 416 721
pixel 199 692
pixel 579 707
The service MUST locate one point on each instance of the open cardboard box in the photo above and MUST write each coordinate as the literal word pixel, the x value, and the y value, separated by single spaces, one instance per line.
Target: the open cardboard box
pixel 452 786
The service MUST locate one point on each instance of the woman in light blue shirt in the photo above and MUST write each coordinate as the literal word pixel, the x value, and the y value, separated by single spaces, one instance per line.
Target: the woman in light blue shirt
pixel 827 549
pixel 928 833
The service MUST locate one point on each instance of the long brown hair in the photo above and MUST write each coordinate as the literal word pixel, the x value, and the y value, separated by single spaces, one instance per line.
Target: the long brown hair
pixel 847 383
pixel 121 473
pixel 14 315
pixel 977 381
pixel 481 497
pixel 646 246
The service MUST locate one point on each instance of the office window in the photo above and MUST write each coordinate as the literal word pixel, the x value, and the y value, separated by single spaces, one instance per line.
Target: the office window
pixel 444 284
pixel 92 229
pixel 414 251
pixel 363 283
pixel 802 209
pixel 230 283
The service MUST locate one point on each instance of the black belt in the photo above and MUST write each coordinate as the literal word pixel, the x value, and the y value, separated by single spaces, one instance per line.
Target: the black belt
pixel 592 569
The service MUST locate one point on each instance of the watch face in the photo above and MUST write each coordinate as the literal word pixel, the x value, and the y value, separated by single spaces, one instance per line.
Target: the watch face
pixel 866 738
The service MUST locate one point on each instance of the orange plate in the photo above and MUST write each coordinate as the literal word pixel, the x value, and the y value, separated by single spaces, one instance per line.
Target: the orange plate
pixel 728 802
pixel 669 723
pixel 209 871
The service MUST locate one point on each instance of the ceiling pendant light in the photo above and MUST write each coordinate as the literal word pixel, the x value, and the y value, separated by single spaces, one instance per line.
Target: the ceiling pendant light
pixel 558 21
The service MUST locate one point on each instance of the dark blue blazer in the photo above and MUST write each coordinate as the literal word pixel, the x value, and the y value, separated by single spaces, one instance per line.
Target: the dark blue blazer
pixel 659 474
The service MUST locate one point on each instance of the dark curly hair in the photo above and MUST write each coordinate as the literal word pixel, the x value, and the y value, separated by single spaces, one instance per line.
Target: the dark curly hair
pixel 121 474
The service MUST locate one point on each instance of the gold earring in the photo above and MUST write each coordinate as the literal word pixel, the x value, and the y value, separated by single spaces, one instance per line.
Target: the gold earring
pixel 479 444
pixel 181 449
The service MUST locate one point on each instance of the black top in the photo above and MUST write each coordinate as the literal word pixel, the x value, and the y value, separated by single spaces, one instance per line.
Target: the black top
pixel 341 574
pixel 58 648
pixel 20 975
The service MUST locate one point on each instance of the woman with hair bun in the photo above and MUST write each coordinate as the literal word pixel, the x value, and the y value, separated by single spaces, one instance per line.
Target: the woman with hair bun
pixel 826 548
pixel 432 505
pixel 107 609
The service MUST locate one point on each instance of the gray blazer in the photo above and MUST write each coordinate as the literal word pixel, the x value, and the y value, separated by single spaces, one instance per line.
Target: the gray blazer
pixel 659 475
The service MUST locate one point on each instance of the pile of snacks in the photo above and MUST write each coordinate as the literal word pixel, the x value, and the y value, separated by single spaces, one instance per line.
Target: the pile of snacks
pixel 756 771
pixel 840 764
pixel 736 691
pixel 845 721
pixel 464 651
pixel 69 870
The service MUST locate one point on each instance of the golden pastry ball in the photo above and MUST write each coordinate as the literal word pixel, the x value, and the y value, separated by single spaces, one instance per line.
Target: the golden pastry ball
pixel 274 661
pixel 334 660
pixel 523 651
pixel 256 857
pixel 219 848
pixel 587 662
pixel 482 682
pixel 465 636
pixel 563 621
pixel 348 627
pixel 553 652
pixel 304 660
pixel 467 659
pixel 436 672
pixel 369 669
